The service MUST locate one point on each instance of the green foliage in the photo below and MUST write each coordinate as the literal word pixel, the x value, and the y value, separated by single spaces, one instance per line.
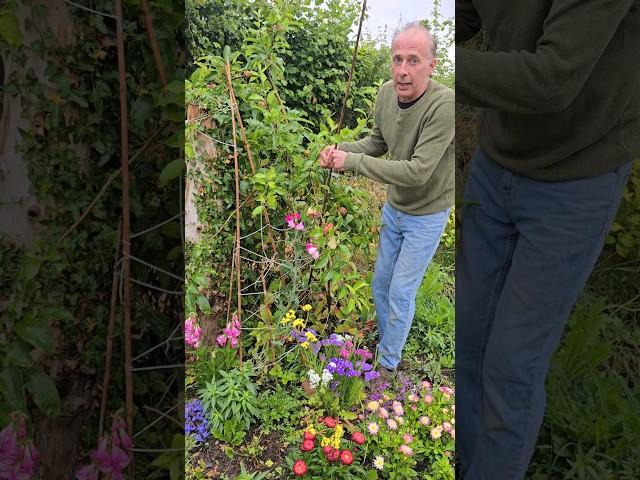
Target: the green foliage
pixel 591 425
pixel 56 312
pixel 625 231
pixel 278 408
pixel 431 341
pixel 231 403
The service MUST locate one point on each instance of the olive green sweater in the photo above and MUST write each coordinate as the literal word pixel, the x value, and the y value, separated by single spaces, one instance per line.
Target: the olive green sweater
pixel 560 84
pixel 419 139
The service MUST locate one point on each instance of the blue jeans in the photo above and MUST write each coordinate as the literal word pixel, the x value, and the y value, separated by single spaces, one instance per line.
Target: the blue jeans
pixel 526 250
pixel 407 245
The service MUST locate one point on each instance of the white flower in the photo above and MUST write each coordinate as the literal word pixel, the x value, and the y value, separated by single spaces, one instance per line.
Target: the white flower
pixel 378 462
pixel 327 376
pixel 314 378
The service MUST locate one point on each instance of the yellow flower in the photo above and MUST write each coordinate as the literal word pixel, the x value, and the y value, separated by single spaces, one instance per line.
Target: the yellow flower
pixel 311 337
pixel 298 322
pixel 285 320
pixel 335 443
pixel 291 313
pixel 307 308
pixel 339 432
pixel 311 430
pixel 304 344
pixel 325 441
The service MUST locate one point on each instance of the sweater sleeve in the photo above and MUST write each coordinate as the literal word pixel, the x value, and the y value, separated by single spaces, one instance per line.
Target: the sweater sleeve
pixel 468 21
pixel 436 134
pixel 373 144
pixel 575 34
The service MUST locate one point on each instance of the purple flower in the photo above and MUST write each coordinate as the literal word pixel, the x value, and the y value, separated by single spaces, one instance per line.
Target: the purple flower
pixel 372 375
pixel 195 421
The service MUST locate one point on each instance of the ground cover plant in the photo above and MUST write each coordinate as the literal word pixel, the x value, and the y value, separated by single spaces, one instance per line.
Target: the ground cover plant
pixel 281 365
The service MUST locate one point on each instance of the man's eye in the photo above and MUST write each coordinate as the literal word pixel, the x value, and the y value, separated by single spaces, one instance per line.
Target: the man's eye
pixel 413 61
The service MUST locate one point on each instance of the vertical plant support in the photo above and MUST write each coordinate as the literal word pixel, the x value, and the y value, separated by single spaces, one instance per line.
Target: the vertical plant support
pixel 153 41
pixel 227 70
pixel 126 227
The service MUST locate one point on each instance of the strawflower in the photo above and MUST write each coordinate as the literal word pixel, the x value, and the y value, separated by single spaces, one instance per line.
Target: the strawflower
pixel 407 450
pixel 373 428
pixel 346 457
pixel 299 468
pixel 378 462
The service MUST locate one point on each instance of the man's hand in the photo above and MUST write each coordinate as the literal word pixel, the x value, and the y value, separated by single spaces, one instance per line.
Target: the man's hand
pixel 333 158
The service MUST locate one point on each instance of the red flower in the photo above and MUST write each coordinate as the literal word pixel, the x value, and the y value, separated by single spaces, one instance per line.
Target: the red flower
pixel 331 453
pixel 299 468
pixel 346 457
pixel 309 435
pixel 307 446
pixel 330 422
pixel 327 228
pixel 358 438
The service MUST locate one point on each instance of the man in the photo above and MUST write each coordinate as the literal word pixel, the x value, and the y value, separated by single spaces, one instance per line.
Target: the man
pixel 414 122
pixel 560 91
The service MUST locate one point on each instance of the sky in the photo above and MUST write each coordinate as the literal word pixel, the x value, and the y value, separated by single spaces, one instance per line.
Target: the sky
pixel 394 12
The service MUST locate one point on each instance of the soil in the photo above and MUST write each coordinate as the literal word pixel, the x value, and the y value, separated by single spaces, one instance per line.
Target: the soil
pixel 218 463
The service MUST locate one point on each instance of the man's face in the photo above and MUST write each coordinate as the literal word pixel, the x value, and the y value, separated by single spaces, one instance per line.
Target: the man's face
pixel 411 64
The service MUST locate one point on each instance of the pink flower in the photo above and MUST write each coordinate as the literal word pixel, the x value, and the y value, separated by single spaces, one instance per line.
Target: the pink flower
pixel 18 456
pixel 88 472
pixel 428 398
pixel 192 332
pixel 392 424
pixel 407 438
pixel 119 431
pixel 426 385
pixel 447 426
pixel 222 340
pixel 294 221
pixel 424 420
pixel 312 250
pixel 446 391
pixel 233 342
pixel 383 412
pixel 453 433
pixel 344 353
pixel 407 450
pixel 373 428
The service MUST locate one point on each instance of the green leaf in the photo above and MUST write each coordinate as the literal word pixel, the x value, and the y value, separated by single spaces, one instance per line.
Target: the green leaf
pixel 203 303
pixel 38 335
pixel 257 211
pixel 171 170
pixel 10 30
pixel 44 392
pixel 18 354
pixel 13 388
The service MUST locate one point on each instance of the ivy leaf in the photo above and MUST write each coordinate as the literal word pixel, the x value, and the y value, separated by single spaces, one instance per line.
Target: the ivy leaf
pixel 44 391
pixel 171 170
pixel 10 30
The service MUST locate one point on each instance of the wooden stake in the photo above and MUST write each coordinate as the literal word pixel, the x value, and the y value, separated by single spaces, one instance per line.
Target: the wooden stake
pixel 126 228
pixel 227 69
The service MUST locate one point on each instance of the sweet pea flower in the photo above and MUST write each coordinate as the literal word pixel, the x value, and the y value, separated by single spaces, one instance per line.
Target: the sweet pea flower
pixel 312 250
pixel 294 221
